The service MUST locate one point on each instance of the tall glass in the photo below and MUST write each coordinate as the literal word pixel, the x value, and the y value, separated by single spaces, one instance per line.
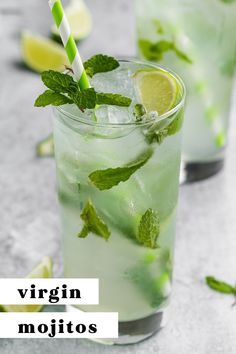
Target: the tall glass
pixel 197 40
pixel 134 275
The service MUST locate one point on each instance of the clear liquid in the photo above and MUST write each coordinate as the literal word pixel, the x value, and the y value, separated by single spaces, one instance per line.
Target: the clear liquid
pixel 134 280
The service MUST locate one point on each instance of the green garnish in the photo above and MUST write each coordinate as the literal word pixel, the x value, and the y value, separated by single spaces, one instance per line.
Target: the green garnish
pixel 45 148
pixel 99 64
pixel 67 92
pixel 139 112
pixel 154 51
pixel 227 68
pixel 113 99
pixel 220 286
pixel 63 89
pixel 156 136
pixel 108 178
pixel 93 223
pixel 59 82
pixel 149 229
pixel 53 98
pixel 228 1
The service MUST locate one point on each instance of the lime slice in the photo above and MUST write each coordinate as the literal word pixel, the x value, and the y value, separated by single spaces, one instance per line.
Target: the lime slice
pixel 79 19
pixel 158 90
pixel 42 270
pixel 40 53
pixel 45 148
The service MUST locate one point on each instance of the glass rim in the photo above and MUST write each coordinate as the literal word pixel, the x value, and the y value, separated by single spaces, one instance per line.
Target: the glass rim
pixel 159 118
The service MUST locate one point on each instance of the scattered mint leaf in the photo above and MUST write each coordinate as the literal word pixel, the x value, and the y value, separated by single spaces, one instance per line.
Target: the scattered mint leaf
pixel 106 179
pixel 53 98
pixel 85 99
pixel 59 82
pixel 99 64
pixel 149 229
pixel 139 111
pixel 155 51
pixel 113 99
pixel 93 223
pixel 220 286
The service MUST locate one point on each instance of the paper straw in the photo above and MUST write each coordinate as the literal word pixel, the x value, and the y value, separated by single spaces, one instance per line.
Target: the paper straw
pixel 69 43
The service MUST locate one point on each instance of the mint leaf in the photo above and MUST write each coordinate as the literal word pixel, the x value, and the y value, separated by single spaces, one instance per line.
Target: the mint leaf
pixel 149 51
pixel 156 136
pixel 59 82
pixel 220 286
pixel 85 99
pixel 106 179
pixel 149 229
pixel 93 223
pixel 113 99
pixel 155 51
pixel 51 97
pixel 228 1
pixel 228 68
pixel 182 55
pixel 99 64
pixel 139 111
pixel 142 277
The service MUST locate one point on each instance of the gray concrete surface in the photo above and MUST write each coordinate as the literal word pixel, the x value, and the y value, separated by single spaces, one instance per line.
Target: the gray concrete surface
pixel 201 321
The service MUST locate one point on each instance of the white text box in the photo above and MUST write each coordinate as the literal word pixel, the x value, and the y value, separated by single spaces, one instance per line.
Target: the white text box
pixel 91 324
pixel 49 291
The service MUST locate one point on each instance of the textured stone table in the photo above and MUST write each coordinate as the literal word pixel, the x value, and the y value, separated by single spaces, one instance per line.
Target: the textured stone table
pixel 201 321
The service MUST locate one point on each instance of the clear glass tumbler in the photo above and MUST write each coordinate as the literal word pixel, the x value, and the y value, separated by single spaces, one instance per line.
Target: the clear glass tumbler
pixel 196 39
pixel 130 245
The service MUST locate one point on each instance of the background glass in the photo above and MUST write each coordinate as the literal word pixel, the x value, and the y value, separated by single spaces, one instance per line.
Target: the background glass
pixel 197 40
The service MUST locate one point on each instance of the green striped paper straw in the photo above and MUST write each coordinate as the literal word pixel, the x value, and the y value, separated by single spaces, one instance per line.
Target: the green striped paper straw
pixel 69 43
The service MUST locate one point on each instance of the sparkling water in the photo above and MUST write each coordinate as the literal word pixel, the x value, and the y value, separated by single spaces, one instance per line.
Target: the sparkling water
pixel 134 280
pixel 197 40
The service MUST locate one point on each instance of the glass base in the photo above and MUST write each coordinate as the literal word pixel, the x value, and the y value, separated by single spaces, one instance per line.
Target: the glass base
pixel 196 171
pixel 131 332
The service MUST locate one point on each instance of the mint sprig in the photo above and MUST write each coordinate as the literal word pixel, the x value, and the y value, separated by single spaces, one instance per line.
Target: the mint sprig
pixel 93 223
pixel 220 286
pixel 149 229
pixel 110 177
pixel 99 64
pixel 65 90
pixel 155 50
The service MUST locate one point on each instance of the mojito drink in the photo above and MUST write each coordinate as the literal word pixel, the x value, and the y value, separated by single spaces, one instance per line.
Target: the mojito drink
pixel 118 172
pixel 196 39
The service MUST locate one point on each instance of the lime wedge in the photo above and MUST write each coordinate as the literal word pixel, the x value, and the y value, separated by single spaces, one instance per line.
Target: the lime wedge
pixel 42 270
pixel 40 53
pixel 158 90
pixel 79 19
pixel 45 148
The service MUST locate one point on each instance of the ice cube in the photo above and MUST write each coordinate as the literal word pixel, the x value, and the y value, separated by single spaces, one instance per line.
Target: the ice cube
pixel 113 114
